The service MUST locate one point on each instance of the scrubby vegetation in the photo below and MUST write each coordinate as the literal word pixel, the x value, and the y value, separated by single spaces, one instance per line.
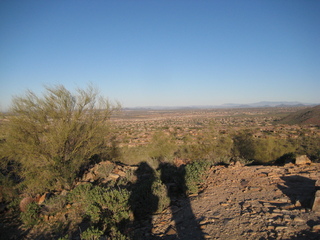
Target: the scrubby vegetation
pixel 49 142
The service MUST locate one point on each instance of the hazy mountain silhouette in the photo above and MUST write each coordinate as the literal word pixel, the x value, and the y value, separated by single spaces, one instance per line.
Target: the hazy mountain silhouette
pixel 226 105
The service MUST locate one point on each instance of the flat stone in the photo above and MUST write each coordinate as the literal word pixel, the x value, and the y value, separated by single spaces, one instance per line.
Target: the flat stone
pixel 280 228
pixel 298 219
pixel 114 175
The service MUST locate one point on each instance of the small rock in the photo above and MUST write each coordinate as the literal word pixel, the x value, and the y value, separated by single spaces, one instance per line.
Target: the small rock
pixel 46 218
pixel 317 184
pixel 171 231
pixel 43 198
pixel 89 177
pixel 316 202
pixel 207 236
pixel 271 227
pixel 203 227
pixel 281 228
pixel 298 203
pixel 316 227
pixel 114 176
pixel 64 193
pixel 298 219
pixel 302 160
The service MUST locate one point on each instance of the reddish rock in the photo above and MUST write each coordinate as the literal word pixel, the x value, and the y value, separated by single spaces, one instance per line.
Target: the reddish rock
pixel 25 202
pixel 42 198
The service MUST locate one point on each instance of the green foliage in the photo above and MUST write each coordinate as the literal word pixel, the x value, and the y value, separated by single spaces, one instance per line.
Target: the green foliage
pixel 162 147
pixel 208 146
pixel 160 191
pixel 104 170
pixel 91 234
pixel 54 135
pixel 194 175
pixel 107 205
pixel 8 189
pixel 309 145
pixel 243 145
pixel 31 216
pixel 66 237
pixel 55 204
pixel 134 155
pixel 269 149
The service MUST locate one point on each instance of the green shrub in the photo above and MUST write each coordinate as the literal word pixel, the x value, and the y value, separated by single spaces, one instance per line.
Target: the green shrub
pixel 91 234
pixel 106 207
pixel 53 136
pixel 310 146
pixel 243 145
pixel 269 149
pixel 162 147
pixel 160 191
pixel 31 216
pixel 55 204
pixel 194 173
pixel 66 237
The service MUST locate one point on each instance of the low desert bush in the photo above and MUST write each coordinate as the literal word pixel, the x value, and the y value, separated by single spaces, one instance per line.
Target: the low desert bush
pixel 31 216
pixel 91 234
pixel 194 174
pixel 55 204
pixel 106 208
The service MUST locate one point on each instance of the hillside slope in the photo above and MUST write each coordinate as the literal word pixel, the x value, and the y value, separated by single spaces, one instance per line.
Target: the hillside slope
pixel 305 116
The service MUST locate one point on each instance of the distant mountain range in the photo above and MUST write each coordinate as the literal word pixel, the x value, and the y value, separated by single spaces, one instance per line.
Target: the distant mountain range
pixel 227 105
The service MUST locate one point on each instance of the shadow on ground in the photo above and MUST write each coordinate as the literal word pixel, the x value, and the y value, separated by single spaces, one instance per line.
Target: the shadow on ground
pixel 186 225
pixel 144 203
pixel 299 189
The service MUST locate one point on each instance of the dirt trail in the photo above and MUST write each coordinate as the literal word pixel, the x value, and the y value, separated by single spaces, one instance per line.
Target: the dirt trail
pixel 255 202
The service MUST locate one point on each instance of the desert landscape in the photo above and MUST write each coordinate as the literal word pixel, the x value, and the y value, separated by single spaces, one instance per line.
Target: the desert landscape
pixel 149 120
pixel 225 173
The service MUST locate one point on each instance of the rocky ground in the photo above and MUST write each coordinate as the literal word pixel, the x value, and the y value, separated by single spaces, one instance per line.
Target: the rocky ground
pixel 237 202
pixel 251 202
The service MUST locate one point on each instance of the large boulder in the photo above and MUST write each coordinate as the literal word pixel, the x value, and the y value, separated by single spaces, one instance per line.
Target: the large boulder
pixel 302 160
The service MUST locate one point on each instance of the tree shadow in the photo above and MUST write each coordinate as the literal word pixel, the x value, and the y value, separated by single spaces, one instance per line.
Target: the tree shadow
pixel 299 189
pixel 143 202
pixel 186 225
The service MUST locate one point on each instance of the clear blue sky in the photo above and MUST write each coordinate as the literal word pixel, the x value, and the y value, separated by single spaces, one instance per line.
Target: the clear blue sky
pixel 168 53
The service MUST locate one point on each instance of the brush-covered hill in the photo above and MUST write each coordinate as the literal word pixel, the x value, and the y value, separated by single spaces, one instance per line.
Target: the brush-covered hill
pixel 305 116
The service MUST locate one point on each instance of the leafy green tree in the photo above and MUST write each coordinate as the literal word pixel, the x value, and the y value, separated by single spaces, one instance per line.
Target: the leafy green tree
pixel 54 135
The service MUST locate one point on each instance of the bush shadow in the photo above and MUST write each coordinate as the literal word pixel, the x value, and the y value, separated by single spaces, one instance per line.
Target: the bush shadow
pixel 299 189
